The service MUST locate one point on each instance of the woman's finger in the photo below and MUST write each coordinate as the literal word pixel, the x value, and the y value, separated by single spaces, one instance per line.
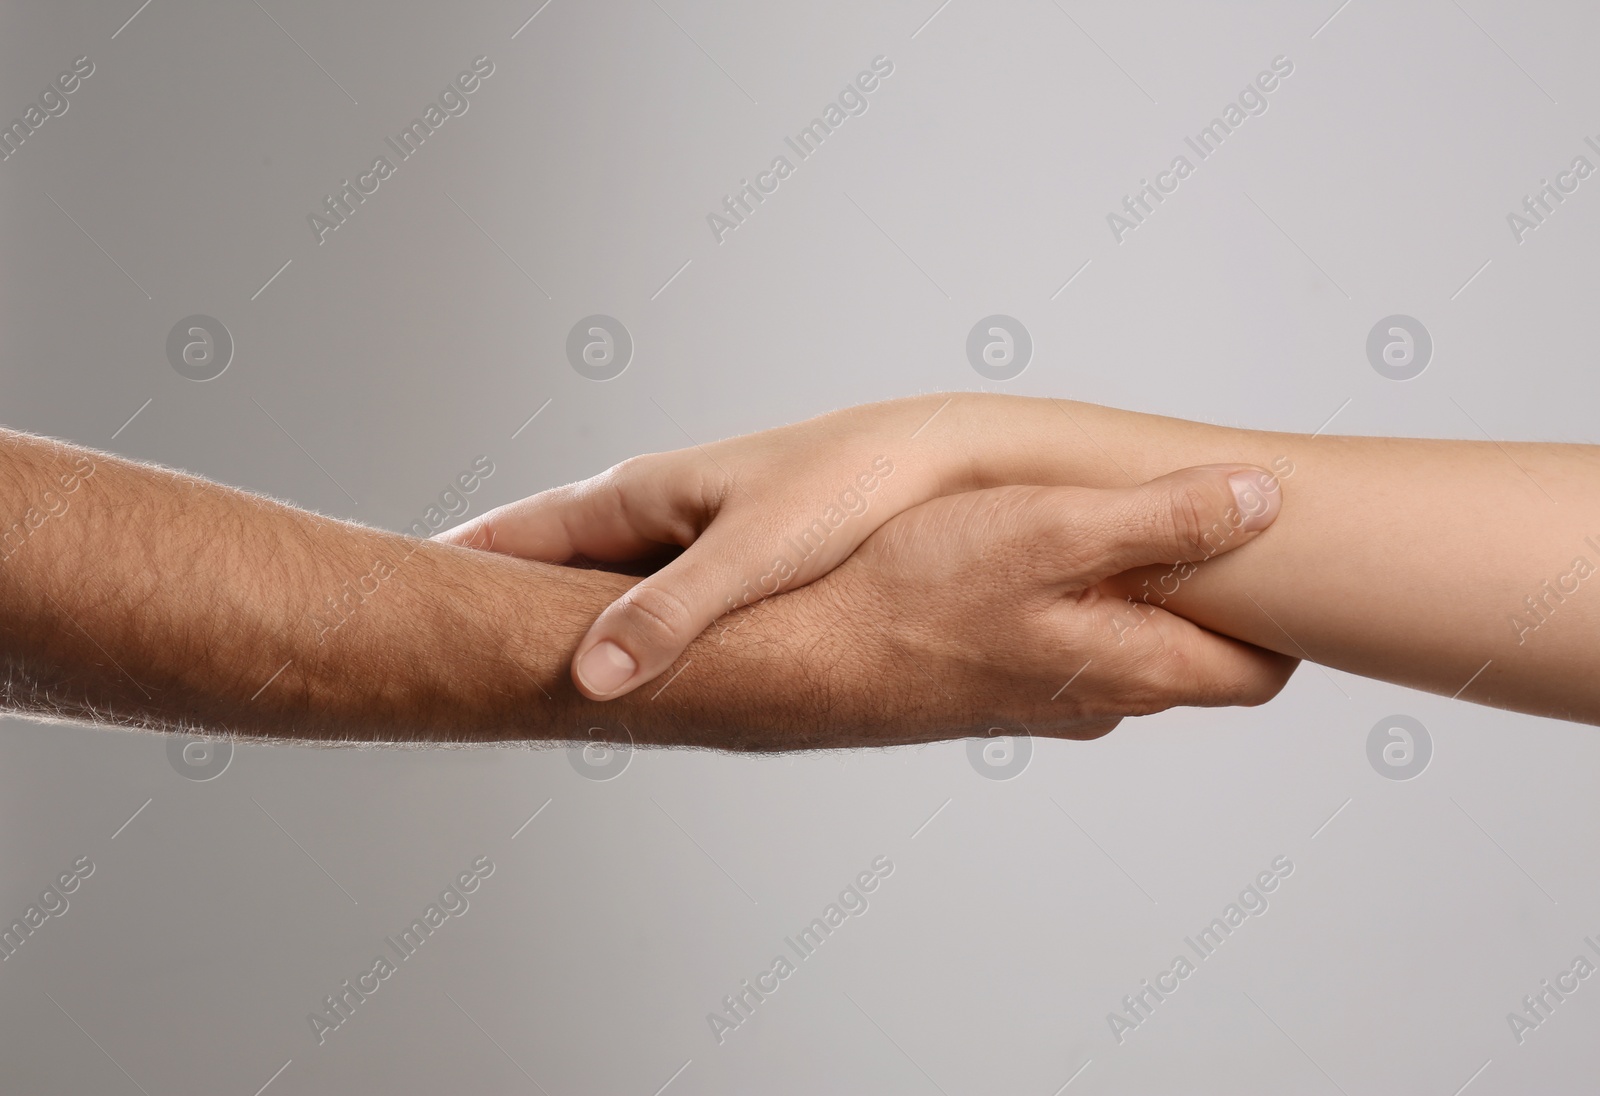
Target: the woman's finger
pixel 626 512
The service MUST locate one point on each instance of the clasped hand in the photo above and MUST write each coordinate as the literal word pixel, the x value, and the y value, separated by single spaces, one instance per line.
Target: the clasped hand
pixel 955 604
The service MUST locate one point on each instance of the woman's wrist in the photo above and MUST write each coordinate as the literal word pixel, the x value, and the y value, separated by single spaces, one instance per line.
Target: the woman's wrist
pixel 988 440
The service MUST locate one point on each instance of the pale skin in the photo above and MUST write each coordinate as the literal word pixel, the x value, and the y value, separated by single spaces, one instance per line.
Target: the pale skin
pixel 137 596
pixel 1458 567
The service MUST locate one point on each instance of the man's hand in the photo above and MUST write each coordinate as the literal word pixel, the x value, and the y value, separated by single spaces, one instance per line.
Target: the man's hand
pixel 139 596
pixel 986 613
pixel 757 514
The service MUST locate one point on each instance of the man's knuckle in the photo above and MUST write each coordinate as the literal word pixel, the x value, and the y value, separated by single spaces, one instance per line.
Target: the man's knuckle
pixel 1048 530
pixel 1224 684
pixel 1164 676
pixel 1252 693
pixel 1259 684
pixel 1188 519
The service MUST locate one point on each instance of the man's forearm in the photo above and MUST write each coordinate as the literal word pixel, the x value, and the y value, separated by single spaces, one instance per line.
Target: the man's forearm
pixel 141 596
pixel 1415 561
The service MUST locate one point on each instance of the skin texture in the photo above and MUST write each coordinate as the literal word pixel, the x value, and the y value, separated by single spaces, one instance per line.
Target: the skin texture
pixel 138 596
pixel 1458 567
pixel 1019 595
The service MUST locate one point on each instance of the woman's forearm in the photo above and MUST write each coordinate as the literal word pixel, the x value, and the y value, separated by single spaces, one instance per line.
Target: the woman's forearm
pixel 1421 562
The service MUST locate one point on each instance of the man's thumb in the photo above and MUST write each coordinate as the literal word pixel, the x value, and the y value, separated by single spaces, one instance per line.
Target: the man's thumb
pixel 1183 517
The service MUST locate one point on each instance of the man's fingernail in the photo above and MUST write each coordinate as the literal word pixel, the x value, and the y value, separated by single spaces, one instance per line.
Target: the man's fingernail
pixel 1258 498
pixel 604 667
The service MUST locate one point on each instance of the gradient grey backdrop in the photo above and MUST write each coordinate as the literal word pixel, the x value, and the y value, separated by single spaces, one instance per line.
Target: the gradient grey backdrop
pixel 426 331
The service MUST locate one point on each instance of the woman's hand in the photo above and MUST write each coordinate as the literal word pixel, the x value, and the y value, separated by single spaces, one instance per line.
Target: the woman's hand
pixel 758 515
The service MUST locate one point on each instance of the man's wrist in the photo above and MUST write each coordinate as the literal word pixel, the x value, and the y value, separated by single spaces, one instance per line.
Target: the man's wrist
pixel 785 673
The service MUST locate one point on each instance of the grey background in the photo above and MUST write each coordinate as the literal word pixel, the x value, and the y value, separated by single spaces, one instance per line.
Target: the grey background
pixel 378 364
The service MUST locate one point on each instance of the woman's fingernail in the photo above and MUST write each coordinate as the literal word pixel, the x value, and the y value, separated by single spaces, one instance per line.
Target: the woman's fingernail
pixel 1258 498
pixel 604 667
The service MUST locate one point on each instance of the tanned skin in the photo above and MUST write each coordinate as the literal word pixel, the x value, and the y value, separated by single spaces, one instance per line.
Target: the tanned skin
pixel 139 596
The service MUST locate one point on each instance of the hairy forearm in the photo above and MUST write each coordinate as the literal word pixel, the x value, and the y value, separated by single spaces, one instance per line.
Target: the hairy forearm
pixel 1415 561
pixel 144 597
